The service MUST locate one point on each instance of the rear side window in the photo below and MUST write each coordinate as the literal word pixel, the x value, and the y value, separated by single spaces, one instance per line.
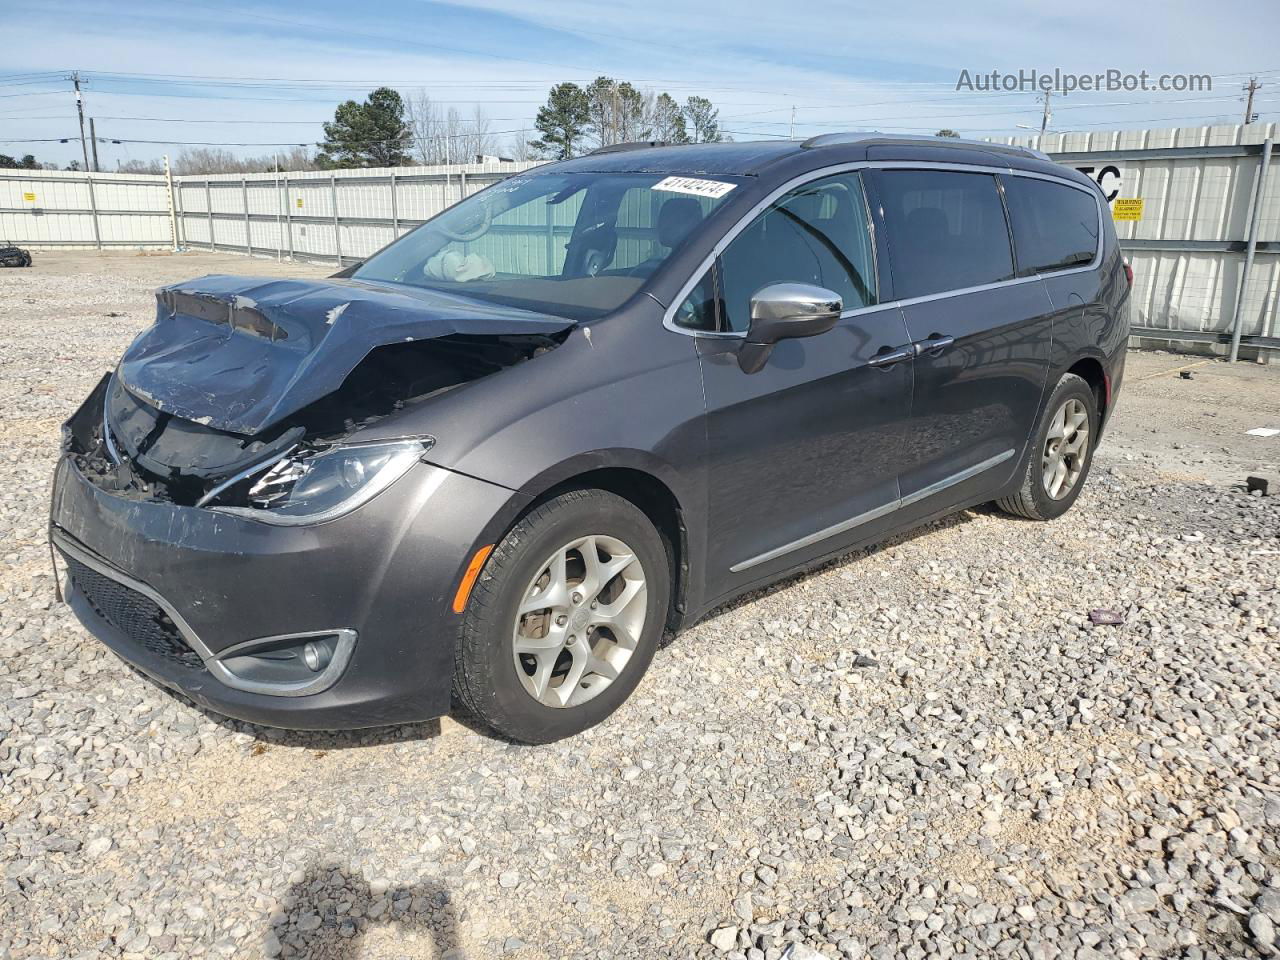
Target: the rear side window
pixel 1055 227
pixel 816 233
pixel 946 231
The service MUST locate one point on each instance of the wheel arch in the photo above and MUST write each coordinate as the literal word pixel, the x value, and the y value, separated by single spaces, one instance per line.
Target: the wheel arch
pixel 1091 370
pixel 639 483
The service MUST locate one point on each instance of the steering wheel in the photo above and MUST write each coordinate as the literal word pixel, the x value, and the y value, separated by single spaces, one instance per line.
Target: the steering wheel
pixel 463 236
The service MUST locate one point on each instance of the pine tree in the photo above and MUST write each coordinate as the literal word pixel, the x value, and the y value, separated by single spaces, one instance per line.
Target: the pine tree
pixel 369 134
pixel 703 120
pixel 562 121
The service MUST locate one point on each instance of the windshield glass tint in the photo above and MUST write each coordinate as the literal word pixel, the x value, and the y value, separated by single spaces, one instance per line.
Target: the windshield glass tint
pixel 571 244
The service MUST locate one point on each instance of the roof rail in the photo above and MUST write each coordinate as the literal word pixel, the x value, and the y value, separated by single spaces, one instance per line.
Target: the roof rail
pixel 844 139
pixel 635 145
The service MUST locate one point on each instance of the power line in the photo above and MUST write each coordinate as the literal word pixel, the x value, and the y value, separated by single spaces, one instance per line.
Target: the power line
pixel 269 143
pixel 43 93
pixel 272 123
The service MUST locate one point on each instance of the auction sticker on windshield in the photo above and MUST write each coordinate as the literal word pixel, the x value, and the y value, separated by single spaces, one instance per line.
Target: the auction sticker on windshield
pixel 693 185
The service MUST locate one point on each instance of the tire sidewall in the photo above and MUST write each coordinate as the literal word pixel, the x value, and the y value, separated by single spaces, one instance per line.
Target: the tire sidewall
pixel 488 633
pixel 1069 387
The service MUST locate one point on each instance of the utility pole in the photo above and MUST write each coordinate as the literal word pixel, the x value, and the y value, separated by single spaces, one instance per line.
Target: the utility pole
pixel 1252 87
pixel 1044 119
pixel 792 134
pixel 84 149
pixel 93 138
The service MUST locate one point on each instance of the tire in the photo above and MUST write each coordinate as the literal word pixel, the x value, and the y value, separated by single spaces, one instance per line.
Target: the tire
pixel 500 683
pixel 1040 497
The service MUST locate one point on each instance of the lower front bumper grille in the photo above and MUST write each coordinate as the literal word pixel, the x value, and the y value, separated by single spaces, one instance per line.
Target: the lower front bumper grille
pixel 137 617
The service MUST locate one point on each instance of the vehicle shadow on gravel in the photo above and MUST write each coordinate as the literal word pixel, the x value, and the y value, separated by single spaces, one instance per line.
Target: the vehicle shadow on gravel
pixel 330 913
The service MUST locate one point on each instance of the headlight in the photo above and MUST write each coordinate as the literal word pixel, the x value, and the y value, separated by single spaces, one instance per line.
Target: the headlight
pixel 315 487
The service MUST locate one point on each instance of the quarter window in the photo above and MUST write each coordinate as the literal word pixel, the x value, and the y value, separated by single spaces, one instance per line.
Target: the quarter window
pixel 698 310
pixel 816 233
pixel 1055 227
pixel 946 230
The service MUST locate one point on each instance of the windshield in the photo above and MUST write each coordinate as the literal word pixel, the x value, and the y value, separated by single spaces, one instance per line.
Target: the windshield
pixel 576 245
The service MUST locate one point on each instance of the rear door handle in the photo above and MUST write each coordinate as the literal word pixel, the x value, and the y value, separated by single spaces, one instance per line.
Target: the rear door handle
pixel 893 356
pixel 933 346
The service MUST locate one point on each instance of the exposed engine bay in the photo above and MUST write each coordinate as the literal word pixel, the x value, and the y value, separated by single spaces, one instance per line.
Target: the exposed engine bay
pixel 125 441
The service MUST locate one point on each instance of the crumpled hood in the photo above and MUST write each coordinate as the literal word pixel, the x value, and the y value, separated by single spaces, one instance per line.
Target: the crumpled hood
pixel 241 353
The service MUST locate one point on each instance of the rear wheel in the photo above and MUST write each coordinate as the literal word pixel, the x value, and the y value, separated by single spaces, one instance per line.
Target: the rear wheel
pixel 564 619
pixel 1061 453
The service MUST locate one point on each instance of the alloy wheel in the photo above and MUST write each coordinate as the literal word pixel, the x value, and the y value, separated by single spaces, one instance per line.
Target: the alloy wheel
pixel 1065 449
pixel 579 621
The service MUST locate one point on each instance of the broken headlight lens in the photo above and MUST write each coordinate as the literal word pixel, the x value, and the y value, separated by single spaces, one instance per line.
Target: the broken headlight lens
pixel 315 487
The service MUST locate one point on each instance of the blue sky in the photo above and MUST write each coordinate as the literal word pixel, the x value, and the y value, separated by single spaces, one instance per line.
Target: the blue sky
pixel 270 73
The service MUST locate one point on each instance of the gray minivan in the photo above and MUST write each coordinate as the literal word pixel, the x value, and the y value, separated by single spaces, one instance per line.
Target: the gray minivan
pixel 496 461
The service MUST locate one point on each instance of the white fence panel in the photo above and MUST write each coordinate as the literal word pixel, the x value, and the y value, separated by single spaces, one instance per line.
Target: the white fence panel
pixel 1187 250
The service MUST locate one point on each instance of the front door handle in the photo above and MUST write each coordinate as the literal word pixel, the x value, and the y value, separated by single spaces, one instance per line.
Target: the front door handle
pixel 893 356
pixel 934 345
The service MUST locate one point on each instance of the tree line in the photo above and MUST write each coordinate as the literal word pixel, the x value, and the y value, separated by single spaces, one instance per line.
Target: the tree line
pixel 609 111
pixel 386 130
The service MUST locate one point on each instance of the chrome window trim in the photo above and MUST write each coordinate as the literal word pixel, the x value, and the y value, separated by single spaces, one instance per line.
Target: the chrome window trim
pixel 873 514
pixel 1097 201
pixel 668 318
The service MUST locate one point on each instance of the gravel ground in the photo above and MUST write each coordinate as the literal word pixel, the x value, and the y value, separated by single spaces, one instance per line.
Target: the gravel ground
pixel 925 750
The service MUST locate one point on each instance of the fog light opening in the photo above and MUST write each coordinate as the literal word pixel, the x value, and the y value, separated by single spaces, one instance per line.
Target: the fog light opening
pixel 290 665
pixel 316 654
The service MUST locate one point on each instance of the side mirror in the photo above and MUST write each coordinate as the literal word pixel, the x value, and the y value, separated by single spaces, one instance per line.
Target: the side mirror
pixel 782 311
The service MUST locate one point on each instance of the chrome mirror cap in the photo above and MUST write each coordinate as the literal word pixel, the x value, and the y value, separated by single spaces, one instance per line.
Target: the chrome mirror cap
pixel 784 311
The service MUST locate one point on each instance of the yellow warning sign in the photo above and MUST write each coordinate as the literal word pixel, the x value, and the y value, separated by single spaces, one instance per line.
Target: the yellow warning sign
pixel 1127 208
pixel 29 197
pixel 299 201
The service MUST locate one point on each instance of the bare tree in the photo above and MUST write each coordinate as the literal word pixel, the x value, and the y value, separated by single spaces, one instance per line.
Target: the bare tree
pixel 480 141
pixel 445 136
pixel 518 146
pixel 139 166
pixel 618 112
pixel 202 160
pixel 426 129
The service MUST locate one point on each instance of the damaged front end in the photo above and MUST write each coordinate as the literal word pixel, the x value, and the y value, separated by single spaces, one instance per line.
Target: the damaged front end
pixel 248 397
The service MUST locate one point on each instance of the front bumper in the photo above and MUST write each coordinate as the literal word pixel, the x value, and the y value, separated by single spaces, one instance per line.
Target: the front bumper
pixel 197 583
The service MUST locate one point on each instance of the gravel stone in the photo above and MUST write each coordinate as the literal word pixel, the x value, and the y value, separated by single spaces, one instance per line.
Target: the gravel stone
pixel 724 939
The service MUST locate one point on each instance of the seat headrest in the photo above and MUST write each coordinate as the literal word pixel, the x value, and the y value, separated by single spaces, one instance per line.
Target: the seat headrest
pixel 676 219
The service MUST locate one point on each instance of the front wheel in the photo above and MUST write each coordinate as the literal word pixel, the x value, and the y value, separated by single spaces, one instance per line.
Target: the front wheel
pixel 1060 455
pixel 564 619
